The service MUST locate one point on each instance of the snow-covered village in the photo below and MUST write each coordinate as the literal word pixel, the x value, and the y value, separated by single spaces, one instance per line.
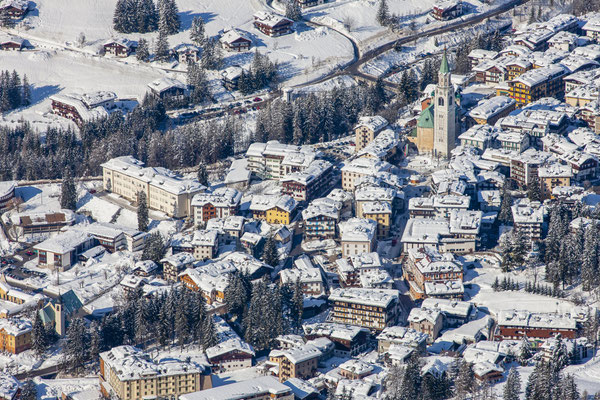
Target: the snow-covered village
pixel 299 199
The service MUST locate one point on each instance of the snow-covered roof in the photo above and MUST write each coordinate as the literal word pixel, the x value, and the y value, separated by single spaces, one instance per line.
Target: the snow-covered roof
pixel 376 207
pixel 452 308
pixel 304 270
pixel 358 230
pixel 8 384
pixel 333 330
pixel 301 388
pixel 232 72
pixel 14 326
pixel 555 170
pixel 166 83
pixel 18 293
pixel 492 107
pixel 466 222
pixel 275 149
pixel 227 341
pixel 133 281
pixel 305 177
pixel 418 315
pixel 366 166
pixel 528 212
pixel 370 297
pixel 299 354
pixel 121 42
pixel 220 197
pixel 403 335
pixel 186 48
pixel 536 76
pixel 147 266
pixel 452 287
pixel 536 320
pixel 358 367
pixel 75 100
pixel 155 176
pixel 372 193
pixel 425 230
pixel 263 386
pixel 382 145
pixel 268 202
pixel 238 172
pixel 576 62
pixel 64 242
pixel 374 123
pixel 322 207
pixel 270 19
pixel 179 259
pixel 233 35
pixel 483 54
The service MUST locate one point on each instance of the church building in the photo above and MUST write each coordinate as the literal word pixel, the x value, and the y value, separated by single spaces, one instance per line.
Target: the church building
pixel 438 124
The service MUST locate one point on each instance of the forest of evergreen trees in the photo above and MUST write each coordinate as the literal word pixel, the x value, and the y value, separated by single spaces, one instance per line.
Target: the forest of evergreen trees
pixel 145 16
pixel 14 92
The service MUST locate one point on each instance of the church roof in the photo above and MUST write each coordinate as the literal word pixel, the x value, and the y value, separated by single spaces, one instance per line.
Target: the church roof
pixel 426 118
pixel 444 67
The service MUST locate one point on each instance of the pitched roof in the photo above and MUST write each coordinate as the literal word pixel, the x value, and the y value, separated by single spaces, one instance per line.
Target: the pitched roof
pixel 444 68
pixel 426 118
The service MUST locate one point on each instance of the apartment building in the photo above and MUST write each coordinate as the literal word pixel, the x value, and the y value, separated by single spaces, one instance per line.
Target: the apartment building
pixel 370 308
pixel 131 374
pixel 297 362
pixel 362 167
pixel 164 191
pixel 174 264
pixel 459 235
pixel 536 84
pixel 427 265
pixel 524 167
pixel 401 336
pixel 308 184
pixel 307 274
pixel 429 321
pixel 380 212
pixel 478 136
pixel 553 176
pixel 368 194
pixel 15 335
pixel 366 130
pixel 220 203
pixel 274 160
pixel 261 388
pixel 273 209
pixel 384 146
pixel 205 244
pixel 61 251
pixel 528 218
pixel 351 269
pixel 358 236
pixel 321 218
pixel 439 206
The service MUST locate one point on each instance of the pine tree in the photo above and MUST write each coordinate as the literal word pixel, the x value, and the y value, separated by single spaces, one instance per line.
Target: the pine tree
pixel 25 92
pixel 383 13
pixel 169 22
pixel 505 214
pixel 28 391
pixel 197 31
pixel 120 17
pixel 209 333
pixel 465 382
pixel 411 379
pixel 270 255
pixel 293 10
pixel 532 16
pixel 198 83
pixel 533 189
pixel 142 212
pixel 524 351
pixel 512 388
pixel 142 53
pixel 141 330
pixel 68 193
pixel 181 326
pixel 76 348
pixel 161 52
pixel 96 341
pixel 560 357
pixel 297 305
pixel 202 175
pixel 39 341
pixel 154 249
pixel 212 56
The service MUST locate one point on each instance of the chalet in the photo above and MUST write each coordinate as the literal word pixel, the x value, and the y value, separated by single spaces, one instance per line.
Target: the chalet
pixel 83 107
pixel 15 8
pixel 121 47
pixel 348 340
pixel 145 268
pixel 28 223
pixel 187 53
pixel 12 44
pixel 167 88
pixel 355 369
pixel 426 320
pixel 447 9
pixel 252 243
pixel 132 283
pixel 298 362
pixel 231 352
pixel 272 24
pixel 401 336
pixel 234 40
pixel 230 77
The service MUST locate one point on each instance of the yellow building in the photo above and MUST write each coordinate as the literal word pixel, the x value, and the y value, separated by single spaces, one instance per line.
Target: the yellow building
pixel 15 335
pixel 425 131
pixel 535 84
pixel 366 129
pixel 379 212
pixel 552 176
pixel 274 209
pixel 131 374
pixel 298 362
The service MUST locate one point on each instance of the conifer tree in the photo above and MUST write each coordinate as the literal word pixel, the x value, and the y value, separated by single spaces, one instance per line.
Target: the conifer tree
pixel 169 22
pixel 120 17
pixel 293 10
pixel 270 255
pixel 39 340
pixel 209 332
pixel 154 249
pixel 96 341
pixel 202 175
pixel 524 351
pixel 198 84
pixel 512 388
pixel 383 13
pixel 465 382
pixel 142 53
pixel 505 214
pixel 25 92
pixel 142 212
pixel 533 189
pixel 197 31
pixel 297 304
pixel 28 391
pixel 68 193
pixel 161 52
pixel 76 348
pixel 410 388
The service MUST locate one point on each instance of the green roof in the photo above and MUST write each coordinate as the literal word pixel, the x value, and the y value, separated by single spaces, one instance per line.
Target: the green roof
pixel 70 301
pixel 47 314
pixel 444 68
pixel 426 118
